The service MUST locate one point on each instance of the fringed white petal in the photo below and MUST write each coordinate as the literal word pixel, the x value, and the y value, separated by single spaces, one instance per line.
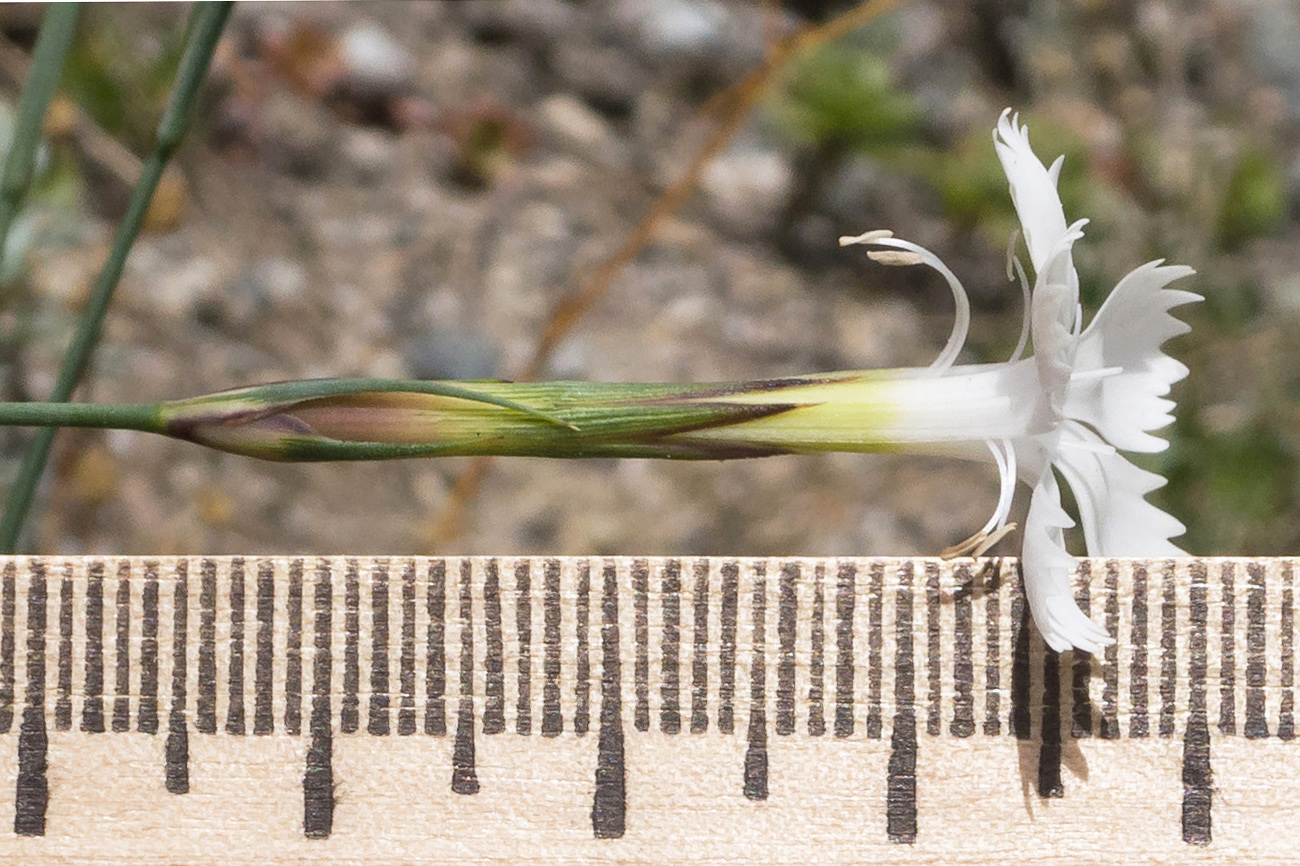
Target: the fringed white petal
pixel 1033 189
pixel 1111 493
pixel 1125 336
pixel 1047 569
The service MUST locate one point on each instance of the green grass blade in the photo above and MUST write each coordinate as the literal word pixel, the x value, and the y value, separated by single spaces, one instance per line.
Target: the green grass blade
pixel 57 27
pixel 207 20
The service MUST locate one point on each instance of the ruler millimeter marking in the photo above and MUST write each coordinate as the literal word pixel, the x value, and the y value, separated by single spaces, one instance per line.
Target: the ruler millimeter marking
pixel 861 662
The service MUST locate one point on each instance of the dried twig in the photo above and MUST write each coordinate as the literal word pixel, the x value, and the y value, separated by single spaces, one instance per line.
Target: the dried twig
pixel 734 104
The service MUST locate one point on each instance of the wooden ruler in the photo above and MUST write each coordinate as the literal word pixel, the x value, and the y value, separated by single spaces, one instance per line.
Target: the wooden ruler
pixel 560 710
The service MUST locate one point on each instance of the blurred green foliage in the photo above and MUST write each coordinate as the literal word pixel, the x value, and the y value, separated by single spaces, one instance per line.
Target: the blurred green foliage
pixel 1254 203
pixel 118 85
pixel 1234 462
pixel 844 98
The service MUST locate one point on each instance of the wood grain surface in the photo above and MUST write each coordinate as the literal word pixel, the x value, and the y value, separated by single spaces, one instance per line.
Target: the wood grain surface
pixel 640 710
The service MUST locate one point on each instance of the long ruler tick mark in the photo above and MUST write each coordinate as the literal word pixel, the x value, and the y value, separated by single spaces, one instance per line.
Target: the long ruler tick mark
pixel 464 775
pixel 33 791
pixel 1198 781
pixel 318 777
pixel 176 756
pixel 609 806
pixel 900 791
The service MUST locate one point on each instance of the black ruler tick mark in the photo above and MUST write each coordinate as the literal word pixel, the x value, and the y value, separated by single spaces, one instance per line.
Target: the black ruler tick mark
pixel 176 768
pixel 670 689
pixel 464 776
pixel 33 792
pixel 755 785
pixel 318 777
pixel 1198 782
pixel 900 791
pixel 609 806
pixel 377 721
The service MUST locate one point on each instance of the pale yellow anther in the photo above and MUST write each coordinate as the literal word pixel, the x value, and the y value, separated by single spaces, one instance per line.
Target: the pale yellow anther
pixel 866 237
pixel 978 544
pixel 895 257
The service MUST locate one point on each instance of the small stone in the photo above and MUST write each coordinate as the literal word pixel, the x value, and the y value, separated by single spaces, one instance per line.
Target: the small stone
pixel 368 151
pixel 748 187
pixel 259 287
pixel 296 134
pixel 575 126
pixel 373 61
pixel 605 76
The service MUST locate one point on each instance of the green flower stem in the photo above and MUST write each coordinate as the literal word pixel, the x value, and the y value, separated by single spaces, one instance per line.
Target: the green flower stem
pixel 108 416
pixel 207 20
pixel 57 27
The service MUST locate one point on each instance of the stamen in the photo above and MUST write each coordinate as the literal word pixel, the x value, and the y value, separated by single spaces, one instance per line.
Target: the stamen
pixel 997 527
pixel 1027 305
pixel 961 322
pixel 1011 251
pixel 1004 455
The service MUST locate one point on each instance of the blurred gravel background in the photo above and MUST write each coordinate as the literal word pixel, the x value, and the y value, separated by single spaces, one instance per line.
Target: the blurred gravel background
pixel 406 189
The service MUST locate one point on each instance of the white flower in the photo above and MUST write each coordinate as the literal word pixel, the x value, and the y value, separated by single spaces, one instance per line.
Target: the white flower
pixel 1083 393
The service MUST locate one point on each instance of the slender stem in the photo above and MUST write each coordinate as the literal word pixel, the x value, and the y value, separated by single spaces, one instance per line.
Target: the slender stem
pixel 105 416
pixel 57 27
pixel 207 20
